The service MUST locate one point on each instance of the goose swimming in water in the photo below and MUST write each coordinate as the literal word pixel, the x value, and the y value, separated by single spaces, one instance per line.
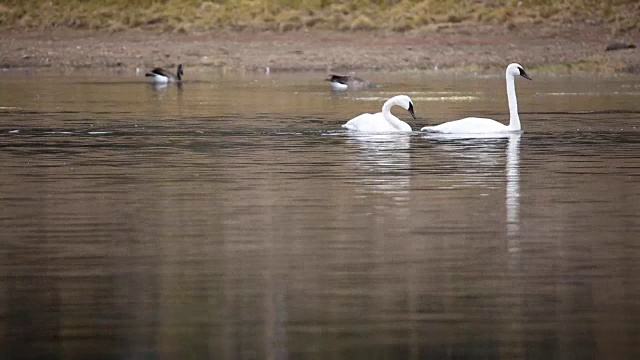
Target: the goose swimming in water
pixel 344 82
pixel 384 121
pixel 161 75
pixel 474 125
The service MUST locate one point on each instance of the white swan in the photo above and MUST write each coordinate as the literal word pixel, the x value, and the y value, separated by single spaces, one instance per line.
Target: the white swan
pixel 383 121
pixel 474 125
pixel 162 76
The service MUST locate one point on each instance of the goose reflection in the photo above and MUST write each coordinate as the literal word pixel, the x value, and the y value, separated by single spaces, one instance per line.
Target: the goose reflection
pixel 158 86
pixel 385 160
pixel 162 91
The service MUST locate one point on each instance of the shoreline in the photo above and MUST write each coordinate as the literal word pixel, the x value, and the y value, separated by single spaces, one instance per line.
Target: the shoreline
pixel 457 47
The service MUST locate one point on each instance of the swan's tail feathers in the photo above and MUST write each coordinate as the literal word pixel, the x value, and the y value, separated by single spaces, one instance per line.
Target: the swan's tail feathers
pixel 430 129
pixel 348 127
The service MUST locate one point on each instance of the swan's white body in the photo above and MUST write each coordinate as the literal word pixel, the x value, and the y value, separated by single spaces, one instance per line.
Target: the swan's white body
pixel 475 125
pixel 472 125
pixel 384 121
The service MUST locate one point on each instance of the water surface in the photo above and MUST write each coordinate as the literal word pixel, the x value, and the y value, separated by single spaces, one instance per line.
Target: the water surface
pixel 232 218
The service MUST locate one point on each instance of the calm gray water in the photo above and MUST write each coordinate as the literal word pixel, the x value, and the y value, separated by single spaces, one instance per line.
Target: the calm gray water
pixel 231 218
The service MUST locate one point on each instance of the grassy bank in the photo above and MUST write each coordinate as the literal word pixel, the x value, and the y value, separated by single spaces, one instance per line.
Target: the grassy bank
pixel 191 16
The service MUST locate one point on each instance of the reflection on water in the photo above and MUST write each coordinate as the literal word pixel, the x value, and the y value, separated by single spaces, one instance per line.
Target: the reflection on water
pixel 513 186
pixel 233 219
pixel 385 161
pixel 483 151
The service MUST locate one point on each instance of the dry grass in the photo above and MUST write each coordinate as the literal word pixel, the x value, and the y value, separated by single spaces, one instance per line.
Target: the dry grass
pixel 288 15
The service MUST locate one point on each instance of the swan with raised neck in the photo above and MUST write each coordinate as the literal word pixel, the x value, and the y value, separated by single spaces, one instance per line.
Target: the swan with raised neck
pixel 475 125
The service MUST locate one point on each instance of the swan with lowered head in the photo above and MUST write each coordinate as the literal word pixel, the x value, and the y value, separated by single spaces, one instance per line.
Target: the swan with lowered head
pixel 345 82
pixel 162 76
pixel 474 125
pixel 383 121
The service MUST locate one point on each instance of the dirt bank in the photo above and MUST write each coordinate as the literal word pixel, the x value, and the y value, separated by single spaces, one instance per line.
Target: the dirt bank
pixel 464 47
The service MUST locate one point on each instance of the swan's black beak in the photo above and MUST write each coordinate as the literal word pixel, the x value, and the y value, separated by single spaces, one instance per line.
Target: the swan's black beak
pixel 524 74
pixel 413 115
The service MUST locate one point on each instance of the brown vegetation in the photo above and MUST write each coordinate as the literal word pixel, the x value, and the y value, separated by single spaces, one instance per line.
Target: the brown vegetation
pixel 192 16
pixel 320 35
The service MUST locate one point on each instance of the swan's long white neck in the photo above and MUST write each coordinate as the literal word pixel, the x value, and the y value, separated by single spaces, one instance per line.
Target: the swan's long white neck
pixel 514 118
pixel 392 119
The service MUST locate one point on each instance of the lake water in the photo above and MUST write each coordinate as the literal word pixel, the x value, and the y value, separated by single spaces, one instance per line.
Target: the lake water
pixel 232 218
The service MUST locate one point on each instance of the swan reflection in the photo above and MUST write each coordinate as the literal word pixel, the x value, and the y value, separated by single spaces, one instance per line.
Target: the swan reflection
pixel 513 186
pixel 485 152
pixel 386 162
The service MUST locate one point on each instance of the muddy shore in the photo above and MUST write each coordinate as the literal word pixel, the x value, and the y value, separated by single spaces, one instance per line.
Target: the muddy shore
pixel 464 48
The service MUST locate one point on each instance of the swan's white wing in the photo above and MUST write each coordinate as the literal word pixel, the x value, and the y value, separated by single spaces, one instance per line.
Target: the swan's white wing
pixel 372 123
pixel 358 122
pixel 470 125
